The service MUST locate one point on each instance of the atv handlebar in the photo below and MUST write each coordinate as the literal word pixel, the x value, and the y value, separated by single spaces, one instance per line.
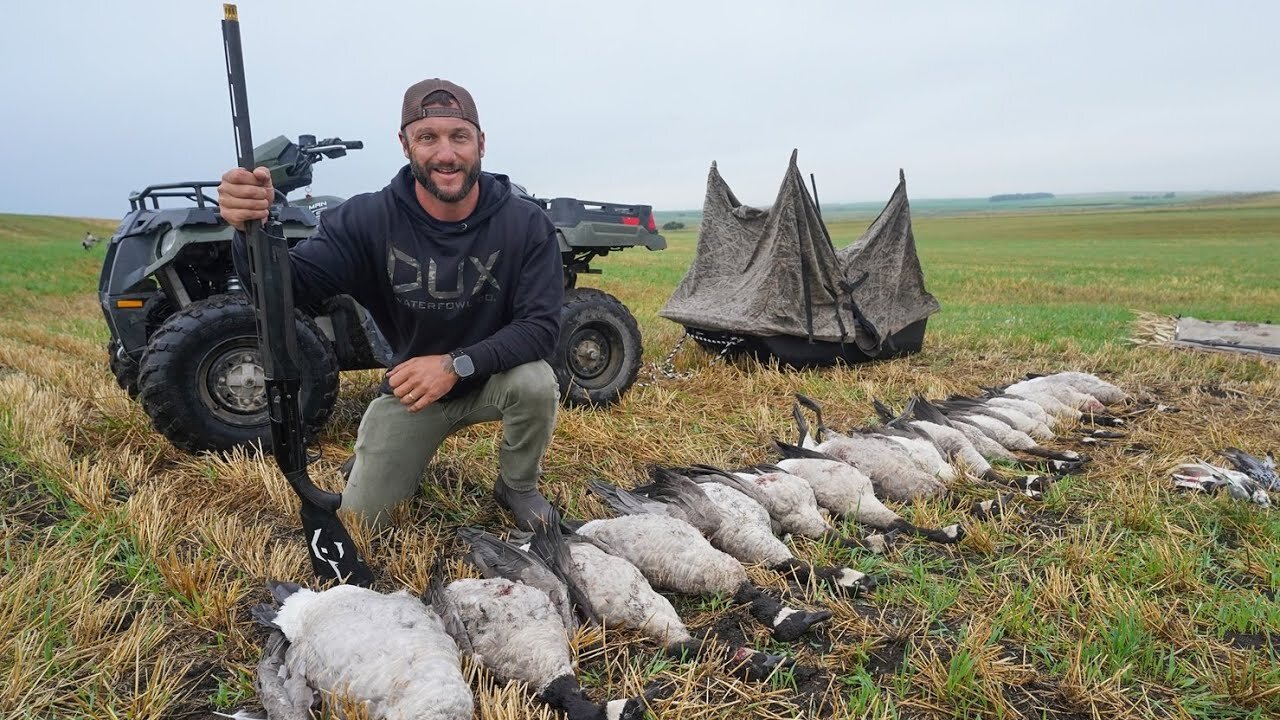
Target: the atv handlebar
pixel 327 148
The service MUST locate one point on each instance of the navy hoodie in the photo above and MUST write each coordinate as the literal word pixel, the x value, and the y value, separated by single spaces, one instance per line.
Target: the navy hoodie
pixel 490 285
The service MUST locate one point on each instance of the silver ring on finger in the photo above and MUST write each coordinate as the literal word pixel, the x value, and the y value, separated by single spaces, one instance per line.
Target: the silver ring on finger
pixel 410 396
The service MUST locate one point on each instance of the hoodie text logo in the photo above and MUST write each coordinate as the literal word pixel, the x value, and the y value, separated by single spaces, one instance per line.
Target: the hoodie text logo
pixel 446 298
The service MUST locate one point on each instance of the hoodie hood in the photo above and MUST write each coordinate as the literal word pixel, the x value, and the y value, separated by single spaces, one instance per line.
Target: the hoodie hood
pixel 495 190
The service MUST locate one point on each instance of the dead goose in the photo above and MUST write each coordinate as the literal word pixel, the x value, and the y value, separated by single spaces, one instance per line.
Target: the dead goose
pixel 789 501
pixel 950 442
pixel 617 593
pixel 892 472
pixel 1262 470
pixel 515 630
pixel 1011 438
pixel 1087 383
pixel 920 451
pixel 844 490
pixel 673 555
pixel 1014 418
pixel 744 528
pixel 389 652
pixel 1061 392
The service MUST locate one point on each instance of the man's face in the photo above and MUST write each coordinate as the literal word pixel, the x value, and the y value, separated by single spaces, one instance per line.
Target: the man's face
pixel 444 154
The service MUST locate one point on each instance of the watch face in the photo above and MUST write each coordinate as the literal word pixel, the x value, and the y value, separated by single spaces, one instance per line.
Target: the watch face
pixel 463 366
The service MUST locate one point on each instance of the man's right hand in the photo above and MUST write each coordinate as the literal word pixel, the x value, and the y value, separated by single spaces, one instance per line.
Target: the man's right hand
pixel 245 196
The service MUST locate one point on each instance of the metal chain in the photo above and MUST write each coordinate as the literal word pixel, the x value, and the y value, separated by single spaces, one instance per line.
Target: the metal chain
pixel 667 369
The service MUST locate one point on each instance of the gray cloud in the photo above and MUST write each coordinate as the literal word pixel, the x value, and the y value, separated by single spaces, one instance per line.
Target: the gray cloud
pixel 632 102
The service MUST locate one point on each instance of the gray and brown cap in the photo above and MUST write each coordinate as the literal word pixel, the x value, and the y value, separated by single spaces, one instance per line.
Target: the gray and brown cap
pixel 418 92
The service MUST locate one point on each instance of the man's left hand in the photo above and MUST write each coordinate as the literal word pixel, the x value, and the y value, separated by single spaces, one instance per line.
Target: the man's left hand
pixel 420 381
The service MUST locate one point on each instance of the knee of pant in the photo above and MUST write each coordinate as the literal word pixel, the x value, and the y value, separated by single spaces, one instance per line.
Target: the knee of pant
pixel 533 383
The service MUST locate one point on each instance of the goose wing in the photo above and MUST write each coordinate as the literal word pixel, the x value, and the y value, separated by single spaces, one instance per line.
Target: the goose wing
pixel 625 502
pixel 673 489
pixel 551 547
pixel 443 605
pixel 284 694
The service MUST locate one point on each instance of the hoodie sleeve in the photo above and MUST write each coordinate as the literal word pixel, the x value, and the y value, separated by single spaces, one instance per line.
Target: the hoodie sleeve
pixel 330 262
pixel 536 305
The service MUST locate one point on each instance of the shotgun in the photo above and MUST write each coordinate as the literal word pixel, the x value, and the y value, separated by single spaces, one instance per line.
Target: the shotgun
pixel 333 554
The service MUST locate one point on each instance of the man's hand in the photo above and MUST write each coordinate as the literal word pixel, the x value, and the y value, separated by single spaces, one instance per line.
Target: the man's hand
pixel 245 196
pixel 420 381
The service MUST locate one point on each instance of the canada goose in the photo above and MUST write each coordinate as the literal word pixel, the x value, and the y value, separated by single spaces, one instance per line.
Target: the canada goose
pixel 1010 437
pixel 893 474
pixel 1022 405
pixel 495 558
pixel 920 451
pixel 789 501
pixel 1211 477
pixel 1012 417
pixel 1030 485
pixel 950 442
pixel 516 631
pixel 618 595
pixel 846 491
pixel 745 529
pixel 1263 470
pixel 673 555
pixel 1062 392
pixel 922 409
pixel 390 652
pixel 1089 384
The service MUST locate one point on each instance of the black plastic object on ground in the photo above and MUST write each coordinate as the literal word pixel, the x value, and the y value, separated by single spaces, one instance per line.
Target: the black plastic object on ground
pixel 333 554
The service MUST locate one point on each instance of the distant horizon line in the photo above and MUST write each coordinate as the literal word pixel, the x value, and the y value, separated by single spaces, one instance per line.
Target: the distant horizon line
pixel 1127 194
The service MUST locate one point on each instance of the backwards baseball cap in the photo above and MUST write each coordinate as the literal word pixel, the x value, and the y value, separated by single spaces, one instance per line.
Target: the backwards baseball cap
pixel 418 92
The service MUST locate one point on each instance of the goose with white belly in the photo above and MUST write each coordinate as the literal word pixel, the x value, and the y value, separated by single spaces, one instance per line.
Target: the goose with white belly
pixel 743 528
pixel 616 594
pixel 673 555
pixel 518 633
pixel 389 653
pixel 892 471
pixel 846 491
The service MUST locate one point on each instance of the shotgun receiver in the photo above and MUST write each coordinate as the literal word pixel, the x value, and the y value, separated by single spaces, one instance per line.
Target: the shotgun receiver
pixel 333 554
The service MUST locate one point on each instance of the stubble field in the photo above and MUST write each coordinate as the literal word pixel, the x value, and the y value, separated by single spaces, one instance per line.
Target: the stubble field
pixel 129 567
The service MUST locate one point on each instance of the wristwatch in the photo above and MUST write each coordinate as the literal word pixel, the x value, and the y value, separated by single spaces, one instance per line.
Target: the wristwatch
pixel 462 365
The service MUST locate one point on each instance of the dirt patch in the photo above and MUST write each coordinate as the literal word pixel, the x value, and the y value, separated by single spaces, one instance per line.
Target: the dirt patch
pixel 888 656
pixel 1264 641
pixel 24 503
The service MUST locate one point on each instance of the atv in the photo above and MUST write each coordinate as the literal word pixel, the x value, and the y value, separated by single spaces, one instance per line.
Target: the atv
pixel 183 334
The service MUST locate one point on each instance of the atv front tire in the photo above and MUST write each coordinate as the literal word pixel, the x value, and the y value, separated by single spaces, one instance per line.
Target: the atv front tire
pixel 598 355
pixel 201 378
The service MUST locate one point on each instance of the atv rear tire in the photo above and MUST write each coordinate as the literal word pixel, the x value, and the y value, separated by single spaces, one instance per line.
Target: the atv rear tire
pixel 599 351
pixel 201 379
pixel 123 367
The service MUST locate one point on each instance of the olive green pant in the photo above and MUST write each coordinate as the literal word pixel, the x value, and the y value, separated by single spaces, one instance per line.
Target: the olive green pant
pixel 394 445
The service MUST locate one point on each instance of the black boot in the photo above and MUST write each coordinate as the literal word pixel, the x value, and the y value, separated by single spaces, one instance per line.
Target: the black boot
pixel 529 507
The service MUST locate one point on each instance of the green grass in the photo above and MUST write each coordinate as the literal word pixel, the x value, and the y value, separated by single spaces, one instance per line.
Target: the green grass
pixel 1057 278
pixel 41 256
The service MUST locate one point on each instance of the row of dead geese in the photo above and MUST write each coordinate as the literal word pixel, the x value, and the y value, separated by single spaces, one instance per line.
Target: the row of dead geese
pixel 689 530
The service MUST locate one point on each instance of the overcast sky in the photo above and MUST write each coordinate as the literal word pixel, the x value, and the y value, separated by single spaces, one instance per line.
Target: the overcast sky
pixel 631 102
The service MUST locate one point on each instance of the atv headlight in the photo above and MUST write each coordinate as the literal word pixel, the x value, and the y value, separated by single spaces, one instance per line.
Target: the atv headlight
pixel 167 241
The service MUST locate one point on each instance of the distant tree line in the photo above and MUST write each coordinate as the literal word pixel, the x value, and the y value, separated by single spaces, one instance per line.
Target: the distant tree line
pixel 1166 196
pixel 1020 196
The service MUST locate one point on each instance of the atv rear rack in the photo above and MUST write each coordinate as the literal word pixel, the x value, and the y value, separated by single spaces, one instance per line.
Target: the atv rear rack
pixel 192 191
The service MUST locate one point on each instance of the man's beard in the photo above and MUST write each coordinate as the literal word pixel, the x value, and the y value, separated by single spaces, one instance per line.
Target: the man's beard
pixel 423 175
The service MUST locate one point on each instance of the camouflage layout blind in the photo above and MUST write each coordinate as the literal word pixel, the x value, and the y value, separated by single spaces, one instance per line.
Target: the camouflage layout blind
pixel 767 272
